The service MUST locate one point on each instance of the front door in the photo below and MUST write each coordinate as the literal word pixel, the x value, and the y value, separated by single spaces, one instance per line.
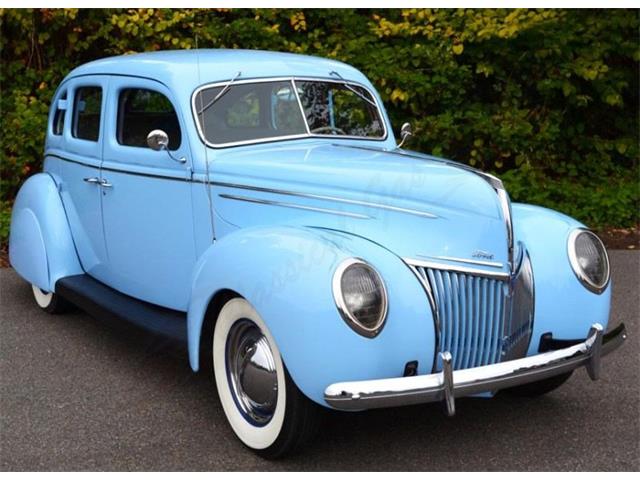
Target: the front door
pixel 79 167
pixel 147 208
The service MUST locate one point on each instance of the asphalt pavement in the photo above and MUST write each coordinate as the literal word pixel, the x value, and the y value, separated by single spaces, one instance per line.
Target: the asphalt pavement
pixel 77 394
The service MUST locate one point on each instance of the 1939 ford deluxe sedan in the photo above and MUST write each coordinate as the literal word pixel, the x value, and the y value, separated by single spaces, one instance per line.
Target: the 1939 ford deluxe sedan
pixel 256 206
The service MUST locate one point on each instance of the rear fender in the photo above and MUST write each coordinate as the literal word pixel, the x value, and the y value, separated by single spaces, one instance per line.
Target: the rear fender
pixel 41 248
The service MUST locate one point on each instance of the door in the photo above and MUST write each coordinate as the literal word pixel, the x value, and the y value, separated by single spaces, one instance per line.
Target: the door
pixel 146 207
pixel 80 168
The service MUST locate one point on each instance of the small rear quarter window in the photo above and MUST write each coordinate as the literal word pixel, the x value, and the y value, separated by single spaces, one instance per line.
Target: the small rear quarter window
pixel 58 117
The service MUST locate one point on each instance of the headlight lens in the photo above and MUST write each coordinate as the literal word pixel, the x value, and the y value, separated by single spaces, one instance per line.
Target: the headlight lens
pixel 589 260
pixel 360 296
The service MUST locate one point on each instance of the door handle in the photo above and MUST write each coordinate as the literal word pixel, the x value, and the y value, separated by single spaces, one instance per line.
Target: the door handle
pixel 92 180
pixel 105 183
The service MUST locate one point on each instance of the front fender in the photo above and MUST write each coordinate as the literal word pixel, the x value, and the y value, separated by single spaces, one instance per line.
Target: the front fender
pixel 563 305
pixel 286 274
pixel 41 248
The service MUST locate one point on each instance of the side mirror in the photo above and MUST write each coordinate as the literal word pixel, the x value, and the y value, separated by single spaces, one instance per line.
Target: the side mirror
pixel 159 140
pixel 405 133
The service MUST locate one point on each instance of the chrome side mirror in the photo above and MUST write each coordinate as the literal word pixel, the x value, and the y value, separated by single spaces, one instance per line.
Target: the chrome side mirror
pixel 405 133
pixel 159 140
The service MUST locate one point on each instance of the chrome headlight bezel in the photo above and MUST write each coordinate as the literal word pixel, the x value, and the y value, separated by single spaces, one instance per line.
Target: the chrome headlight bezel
pixel 341 305
pixel 588 283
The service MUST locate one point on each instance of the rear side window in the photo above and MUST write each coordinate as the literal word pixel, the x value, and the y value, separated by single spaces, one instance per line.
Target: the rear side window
pixel 140 111
pixel 58 117
pixel 86 113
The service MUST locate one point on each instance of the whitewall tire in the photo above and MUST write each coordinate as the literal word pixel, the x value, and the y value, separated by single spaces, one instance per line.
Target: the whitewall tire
pixel 49 301
pixel 265 409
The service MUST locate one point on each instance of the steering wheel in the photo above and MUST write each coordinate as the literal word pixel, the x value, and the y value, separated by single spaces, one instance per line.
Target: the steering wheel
pixel 328 128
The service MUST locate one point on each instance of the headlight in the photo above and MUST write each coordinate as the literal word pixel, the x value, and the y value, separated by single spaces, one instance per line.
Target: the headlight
pixel 360 296
pixel 589 260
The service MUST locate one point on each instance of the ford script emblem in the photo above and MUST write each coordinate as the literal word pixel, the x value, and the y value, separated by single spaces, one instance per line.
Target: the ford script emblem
pixel 482 254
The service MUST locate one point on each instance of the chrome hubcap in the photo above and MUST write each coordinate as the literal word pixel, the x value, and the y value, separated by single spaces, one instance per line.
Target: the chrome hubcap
pixel 251 372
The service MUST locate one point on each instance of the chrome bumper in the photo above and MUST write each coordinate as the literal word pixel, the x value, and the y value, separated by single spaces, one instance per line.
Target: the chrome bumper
pixel 448 384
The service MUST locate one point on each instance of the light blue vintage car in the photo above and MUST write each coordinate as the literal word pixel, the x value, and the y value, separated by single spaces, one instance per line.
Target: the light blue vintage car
pixel 256 206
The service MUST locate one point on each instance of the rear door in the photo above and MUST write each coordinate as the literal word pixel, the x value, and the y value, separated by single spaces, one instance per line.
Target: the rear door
pixel 147 208
pixel 80 168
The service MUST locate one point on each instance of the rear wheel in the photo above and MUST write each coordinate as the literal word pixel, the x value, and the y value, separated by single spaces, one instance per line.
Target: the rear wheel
pixel 49 301
pixel 540 387
pixel 266 410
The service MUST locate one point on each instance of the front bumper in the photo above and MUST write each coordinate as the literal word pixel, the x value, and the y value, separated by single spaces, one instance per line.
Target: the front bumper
pixel 449 384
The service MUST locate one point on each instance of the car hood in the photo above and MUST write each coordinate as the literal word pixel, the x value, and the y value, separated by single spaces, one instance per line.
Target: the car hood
pixel 414 205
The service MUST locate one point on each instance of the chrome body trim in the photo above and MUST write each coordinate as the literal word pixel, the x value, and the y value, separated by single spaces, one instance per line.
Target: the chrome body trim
pixel 338 298
pixel 437 324
pixel 505 206
pixel 292 80
pixel 367 394
pixel 465 260
pixel 328 198
pixel 577 268
pixel 504 276
pixel 293 205
pixel 262 189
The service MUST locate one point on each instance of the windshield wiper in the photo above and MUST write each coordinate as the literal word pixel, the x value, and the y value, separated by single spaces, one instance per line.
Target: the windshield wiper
pixel 222 92
pixel 344 82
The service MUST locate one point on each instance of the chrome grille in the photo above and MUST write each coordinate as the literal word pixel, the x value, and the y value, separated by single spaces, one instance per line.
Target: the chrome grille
pixel 479 319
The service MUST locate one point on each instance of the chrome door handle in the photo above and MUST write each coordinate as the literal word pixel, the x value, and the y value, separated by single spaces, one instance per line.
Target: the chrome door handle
pixel 92 180
pixel 105 183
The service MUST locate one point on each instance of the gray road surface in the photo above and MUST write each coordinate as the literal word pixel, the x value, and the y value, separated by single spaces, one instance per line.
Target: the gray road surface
pixel 76 394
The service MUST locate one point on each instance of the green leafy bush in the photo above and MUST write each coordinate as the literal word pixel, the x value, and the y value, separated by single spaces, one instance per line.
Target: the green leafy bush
pixel 546 99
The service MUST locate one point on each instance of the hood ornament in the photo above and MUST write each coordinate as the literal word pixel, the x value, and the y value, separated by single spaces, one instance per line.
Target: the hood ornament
pixel 482 254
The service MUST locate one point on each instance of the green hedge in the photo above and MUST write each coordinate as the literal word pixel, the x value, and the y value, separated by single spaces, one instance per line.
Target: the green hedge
pixel 546 99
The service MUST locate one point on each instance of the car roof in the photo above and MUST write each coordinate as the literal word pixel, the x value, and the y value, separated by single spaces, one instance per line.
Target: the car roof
pixel 188 69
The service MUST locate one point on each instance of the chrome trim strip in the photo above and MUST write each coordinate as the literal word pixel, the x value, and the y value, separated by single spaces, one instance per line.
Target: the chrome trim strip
pixel 362 395
pixel 293 205
pixel 505 276
pixel 261 189
pixel 465 260
pixel 127 172
pixel 286 137
pixel 338 298
pixel 325 197
pixel 505 206
pixel 575 265
pixel 434 310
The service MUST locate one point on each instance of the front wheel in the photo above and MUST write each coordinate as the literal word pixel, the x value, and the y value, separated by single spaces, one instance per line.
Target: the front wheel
pixel 49 301
pixel 266 410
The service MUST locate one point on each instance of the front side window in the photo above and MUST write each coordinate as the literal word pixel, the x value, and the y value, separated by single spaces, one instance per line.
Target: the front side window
pixel 86 113
pixel 251 112
pixel 140 111
pixel 58 116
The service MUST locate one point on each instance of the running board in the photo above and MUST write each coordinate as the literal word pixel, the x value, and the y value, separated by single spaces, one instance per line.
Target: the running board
pixel 109 305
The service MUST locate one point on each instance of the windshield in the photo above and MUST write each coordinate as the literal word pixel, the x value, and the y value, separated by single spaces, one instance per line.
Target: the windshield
pixel 234 113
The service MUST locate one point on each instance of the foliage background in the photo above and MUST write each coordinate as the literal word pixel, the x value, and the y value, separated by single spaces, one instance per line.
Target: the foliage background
pixel 546 99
